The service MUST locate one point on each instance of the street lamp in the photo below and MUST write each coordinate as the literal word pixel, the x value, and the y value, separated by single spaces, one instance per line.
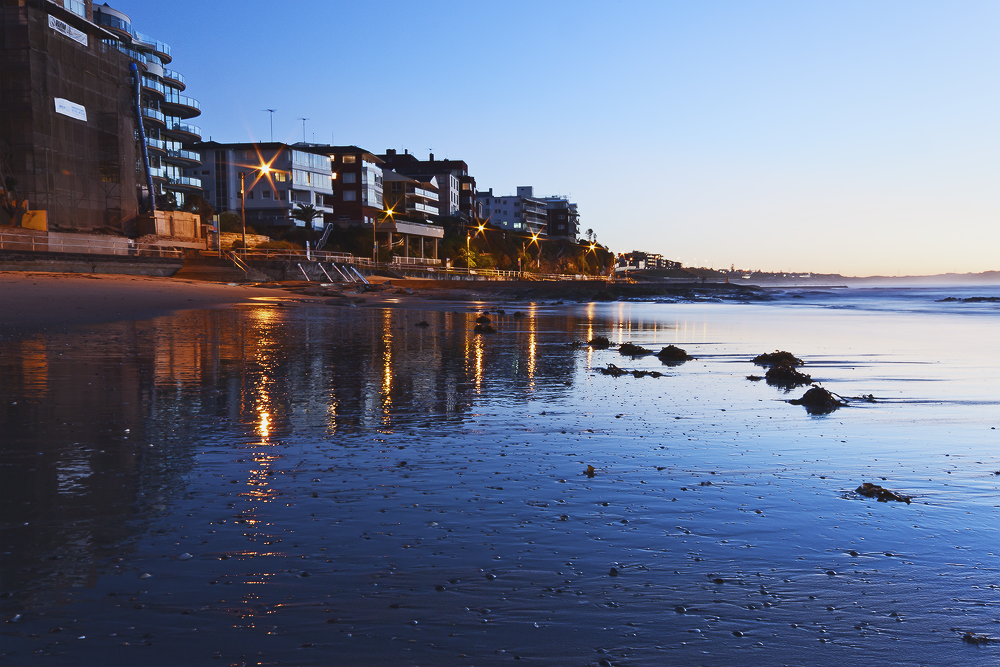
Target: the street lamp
pixel 388 213
pixel 265 171
pixel 468 257
pixel 534 239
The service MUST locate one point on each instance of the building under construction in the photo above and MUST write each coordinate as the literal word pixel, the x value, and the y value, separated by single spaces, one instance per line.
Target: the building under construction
pixel 93 124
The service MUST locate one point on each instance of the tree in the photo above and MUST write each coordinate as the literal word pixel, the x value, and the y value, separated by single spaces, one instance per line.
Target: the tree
pixel 197 204
pixel 306 213
pixel 590 235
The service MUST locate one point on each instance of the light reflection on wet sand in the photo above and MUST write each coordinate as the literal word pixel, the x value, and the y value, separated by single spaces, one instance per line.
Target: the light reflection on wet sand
pixel 337 475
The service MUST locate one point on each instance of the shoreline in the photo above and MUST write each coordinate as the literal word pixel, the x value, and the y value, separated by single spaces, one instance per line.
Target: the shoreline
pixel 45 301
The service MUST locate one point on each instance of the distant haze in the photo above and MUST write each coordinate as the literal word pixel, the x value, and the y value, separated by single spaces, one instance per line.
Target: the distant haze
pixel 852 137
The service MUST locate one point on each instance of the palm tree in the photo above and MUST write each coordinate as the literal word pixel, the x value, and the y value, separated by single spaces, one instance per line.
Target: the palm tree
pixel 306 213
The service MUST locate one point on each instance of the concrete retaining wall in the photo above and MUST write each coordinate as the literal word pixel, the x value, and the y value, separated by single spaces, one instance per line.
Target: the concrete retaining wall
pixel 66 262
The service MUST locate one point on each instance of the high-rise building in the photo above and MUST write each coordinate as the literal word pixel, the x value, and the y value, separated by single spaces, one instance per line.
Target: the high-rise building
pixel 69 131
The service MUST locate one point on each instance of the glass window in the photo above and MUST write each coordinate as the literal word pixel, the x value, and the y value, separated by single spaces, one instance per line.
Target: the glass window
pixel 349 159
pixel 350 177
pixel 265 194
pixel 279 176
pixel 350 195
pixel 300 158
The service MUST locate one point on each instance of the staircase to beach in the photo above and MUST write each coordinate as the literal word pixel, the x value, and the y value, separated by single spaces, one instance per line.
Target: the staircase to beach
pixel 210 268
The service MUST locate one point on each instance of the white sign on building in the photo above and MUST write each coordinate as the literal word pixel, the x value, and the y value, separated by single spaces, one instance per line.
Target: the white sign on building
pixel 71 109
pixel 66 29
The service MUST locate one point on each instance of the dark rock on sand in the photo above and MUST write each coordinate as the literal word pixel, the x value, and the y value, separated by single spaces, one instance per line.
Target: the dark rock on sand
pixel 883 495
pixel 484 329
pixel 632 350
pixel 786 377
pixel 672 354
pixel 778 358
pixel 423 323
pixel 755 378
pixel 483 319
pixel 599 342
pixel 818 400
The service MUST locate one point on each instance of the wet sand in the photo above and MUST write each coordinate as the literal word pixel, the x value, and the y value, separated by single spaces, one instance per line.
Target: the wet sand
pixel 300 484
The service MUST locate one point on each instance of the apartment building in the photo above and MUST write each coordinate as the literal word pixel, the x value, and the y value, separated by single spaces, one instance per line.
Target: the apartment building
pixel 298 174
pixel 358 196
pixel 456 188
pixel 522 212
pixel 563 218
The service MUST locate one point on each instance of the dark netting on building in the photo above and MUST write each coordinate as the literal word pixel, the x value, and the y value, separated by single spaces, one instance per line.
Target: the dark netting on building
pixel 83 173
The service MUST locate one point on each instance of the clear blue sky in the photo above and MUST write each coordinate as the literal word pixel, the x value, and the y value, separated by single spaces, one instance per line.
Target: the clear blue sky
pixel 852 136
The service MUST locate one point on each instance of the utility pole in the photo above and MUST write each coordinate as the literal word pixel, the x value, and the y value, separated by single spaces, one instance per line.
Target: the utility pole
pixel 271 111
pixel 304 128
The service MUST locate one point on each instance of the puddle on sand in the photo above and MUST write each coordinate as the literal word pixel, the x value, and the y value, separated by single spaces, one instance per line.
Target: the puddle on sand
pixel 308 486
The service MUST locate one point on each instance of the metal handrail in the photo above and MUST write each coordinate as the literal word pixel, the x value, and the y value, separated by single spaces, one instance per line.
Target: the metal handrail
pixel 234 258
pixel 45 243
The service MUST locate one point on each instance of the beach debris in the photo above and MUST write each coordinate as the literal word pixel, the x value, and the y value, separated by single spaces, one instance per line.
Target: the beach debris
pixel 818 400
pixel 615 371
pixel 883 495
pixel 483 319
pixel 423 323
pixel 590 472
pixel 632 350
pixel 755 378
pixel 778 358
pixel 484 329
pixel 973 638
pixel 786 377
pixel 672 354
pixel 185 556
pixel 599 342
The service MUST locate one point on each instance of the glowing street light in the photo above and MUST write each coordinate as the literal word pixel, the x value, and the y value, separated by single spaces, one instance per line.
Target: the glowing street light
pixel 468 257
pixel 263 170
pixel 388 214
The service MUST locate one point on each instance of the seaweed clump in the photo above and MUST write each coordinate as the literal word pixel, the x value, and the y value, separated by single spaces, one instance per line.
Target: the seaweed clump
pixel 818 401
pixel 973 638
pixel 599 342
pixel 786 377
pixel 883 495
pixel 778 358
pixel 615 371
pixel 633 350
pixel 672 354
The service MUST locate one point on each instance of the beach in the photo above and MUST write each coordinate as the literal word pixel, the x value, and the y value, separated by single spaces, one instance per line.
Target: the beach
pixel 282 478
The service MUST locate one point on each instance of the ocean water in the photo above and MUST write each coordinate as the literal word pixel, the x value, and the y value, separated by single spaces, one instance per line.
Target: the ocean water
pixel 293 484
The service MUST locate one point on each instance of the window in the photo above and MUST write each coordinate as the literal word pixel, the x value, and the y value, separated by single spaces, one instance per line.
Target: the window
pixel 395 187
pixel 350 159
pixel 265 194
pixel 350 195
pixel 466 186
pixel 517 215
pixel 300 158
pixel 350 177
pixel 319 200
pixel 279 176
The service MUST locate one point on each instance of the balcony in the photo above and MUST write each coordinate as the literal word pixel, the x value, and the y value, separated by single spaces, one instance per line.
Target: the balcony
pixel 154 117
pixel 428 194
pixel 182 131
pixel 163 51
pixel 187 158
pixel 156 145
pixel 180 105
pixel 423 208
pixel 183 183
pixel 175 78
pixel 153 88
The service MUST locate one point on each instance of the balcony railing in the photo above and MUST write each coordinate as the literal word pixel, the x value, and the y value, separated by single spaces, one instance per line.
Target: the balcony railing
pixel 420 192
pixel 432 210
pixel 154 114
pixel 174 76
pixel 149 82
pixel 175 124
pixel 184 181
pixel 184 155
pixel 156 143
pixel 173 97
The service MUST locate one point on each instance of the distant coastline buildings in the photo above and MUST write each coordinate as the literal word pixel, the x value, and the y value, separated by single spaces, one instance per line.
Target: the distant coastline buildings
pixel 96 131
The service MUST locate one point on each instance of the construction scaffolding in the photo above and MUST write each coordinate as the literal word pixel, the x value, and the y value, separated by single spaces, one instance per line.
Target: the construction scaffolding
pixel 67 132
